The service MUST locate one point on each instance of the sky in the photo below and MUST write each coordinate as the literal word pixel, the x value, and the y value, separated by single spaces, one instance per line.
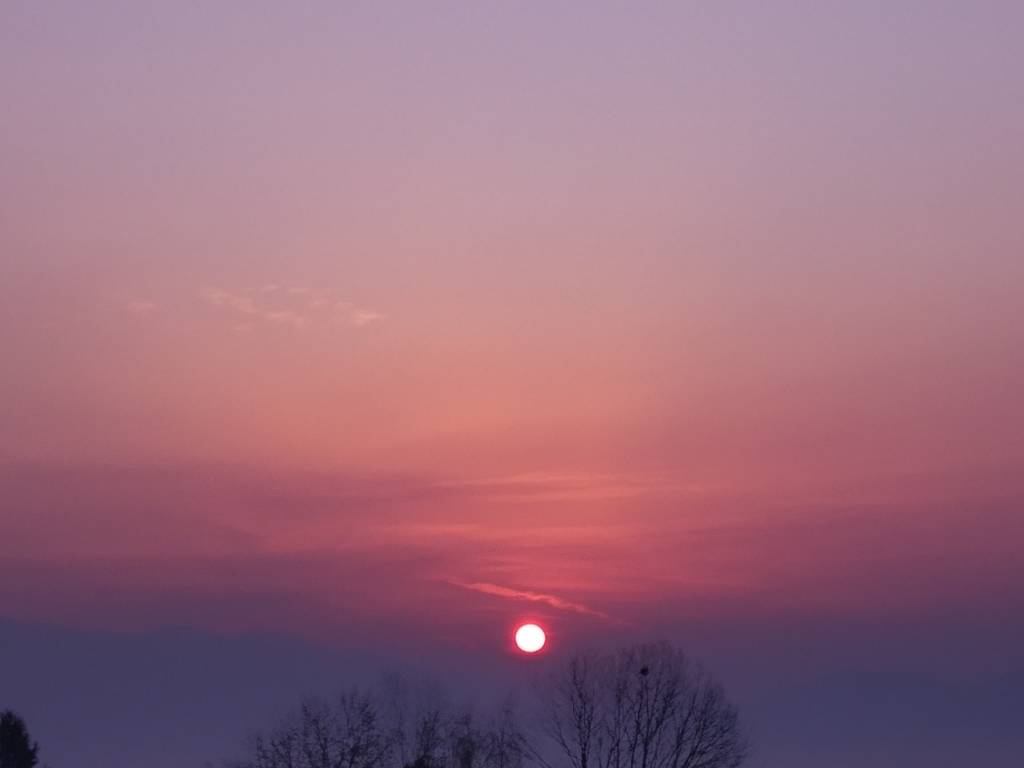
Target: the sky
pixel 345 335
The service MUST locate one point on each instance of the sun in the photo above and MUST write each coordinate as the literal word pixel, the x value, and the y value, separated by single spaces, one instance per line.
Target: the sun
pixel 530 638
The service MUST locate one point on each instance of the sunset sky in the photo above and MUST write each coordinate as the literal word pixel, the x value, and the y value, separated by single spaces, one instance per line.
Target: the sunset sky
pixel 332 329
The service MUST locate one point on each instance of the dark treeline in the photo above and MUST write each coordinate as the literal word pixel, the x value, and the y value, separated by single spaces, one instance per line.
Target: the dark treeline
pixel 648 706
pixel 17 750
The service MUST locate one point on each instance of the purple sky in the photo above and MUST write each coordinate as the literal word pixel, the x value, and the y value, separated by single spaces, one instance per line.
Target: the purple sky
pixel 339 336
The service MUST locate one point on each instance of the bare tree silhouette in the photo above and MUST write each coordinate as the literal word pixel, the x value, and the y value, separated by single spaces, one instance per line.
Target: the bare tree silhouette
pixel 345 733
pixel 402 728
pixel 648 706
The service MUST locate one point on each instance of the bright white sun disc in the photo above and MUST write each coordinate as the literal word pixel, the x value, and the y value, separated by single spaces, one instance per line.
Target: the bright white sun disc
pixel 530 638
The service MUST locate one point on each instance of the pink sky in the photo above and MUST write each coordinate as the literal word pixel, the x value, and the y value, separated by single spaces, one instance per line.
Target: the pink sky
pixel 313 318
pixel 386 325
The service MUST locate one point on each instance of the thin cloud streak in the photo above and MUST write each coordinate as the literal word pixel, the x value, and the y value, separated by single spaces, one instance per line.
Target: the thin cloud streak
pixel 533 597
pixel 141 307
pixel 579 486
pixel 245 305
pixel 298 307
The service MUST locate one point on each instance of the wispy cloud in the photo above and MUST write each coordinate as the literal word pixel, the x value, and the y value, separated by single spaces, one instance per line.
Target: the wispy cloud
pixel 295 306
pixel 582 486
pixel 508 593
pixel 141 307
pixel 247 305
pixel 346 312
